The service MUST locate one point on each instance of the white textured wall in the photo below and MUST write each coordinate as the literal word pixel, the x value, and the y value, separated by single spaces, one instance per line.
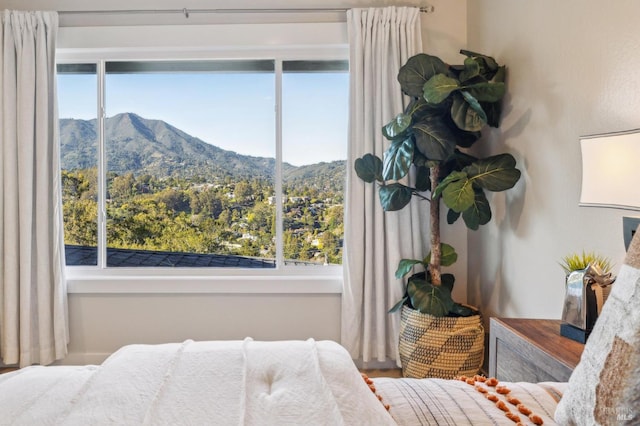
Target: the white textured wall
pixel 572 71
pixel 444 34
pixel 101 323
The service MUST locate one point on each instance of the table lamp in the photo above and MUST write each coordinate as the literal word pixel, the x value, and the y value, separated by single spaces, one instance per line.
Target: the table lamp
pixel 610 178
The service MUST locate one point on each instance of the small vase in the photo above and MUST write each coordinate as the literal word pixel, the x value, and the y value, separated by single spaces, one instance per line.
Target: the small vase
pixel 582 304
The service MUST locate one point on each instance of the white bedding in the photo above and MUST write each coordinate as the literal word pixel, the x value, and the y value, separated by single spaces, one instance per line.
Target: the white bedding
pixel 198 383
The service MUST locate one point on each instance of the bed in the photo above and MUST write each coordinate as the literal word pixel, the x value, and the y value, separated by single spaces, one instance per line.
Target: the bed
pixel 248 383
pixel 310 382
pixel 197 383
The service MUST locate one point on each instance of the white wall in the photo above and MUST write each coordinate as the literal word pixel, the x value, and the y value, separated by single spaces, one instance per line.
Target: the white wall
pixel 102 322
pixel 444 34
pixel 571 72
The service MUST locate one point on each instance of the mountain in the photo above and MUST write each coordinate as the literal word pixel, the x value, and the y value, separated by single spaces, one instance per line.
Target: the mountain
pixel 144 146
pixel 322 176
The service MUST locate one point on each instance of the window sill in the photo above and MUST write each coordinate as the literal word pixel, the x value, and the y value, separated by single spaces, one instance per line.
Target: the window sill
pixel 188 282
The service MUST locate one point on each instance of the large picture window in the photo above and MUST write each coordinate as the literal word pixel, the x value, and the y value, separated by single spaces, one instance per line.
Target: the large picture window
pixel 236 163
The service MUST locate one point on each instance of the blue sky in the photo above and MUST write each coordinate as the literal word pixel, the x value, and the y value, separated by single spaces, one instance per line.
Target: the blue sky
pixel 232 111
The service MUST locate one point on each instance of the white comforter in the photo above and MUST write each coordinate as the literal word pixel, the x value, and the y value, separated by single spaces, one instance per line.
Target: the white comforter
pixel 198 383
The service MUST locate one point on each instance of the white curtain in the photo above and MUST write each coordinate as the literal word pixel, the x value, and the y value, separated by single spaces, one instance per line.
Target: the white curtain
pixel 381 40
pixel 33 305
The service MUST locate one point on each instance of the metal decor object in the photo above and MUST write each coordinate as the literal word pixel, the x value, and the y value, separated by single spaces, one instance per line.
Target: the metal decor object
pixel 586 292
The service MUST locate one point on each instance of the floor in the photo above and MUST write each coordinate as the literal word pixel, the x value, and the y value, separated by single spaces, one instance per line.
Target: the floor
pixel 394 372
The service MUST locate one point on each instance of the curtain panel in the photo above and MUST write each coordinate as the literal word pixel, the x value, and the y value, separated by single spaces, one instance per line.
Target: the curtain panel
pixel 380 42
pixel 33 304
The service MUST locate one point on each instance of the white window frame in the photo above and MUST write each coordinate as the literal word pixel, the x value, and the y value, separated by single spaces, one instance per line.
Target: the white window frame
pixel 282 42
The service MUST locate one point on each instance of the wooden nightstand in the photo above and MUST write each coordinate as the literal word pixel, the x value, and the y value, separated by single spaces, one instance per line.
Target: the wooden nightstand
pixel 531 350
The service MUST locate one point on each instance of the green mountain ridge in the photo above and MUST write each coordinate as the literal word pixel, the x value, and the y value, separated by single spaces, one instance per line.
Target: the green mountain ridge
pixel 145 146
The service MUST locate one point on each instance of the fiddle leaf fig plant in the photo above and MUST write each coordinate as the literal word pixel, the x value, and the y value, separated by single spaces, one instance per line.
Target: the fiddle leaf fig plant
pixel 450 105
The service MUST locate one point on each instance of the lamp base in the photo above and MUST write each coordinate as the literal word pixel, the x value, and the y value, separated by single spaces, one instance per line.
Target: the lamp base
pixel 574 333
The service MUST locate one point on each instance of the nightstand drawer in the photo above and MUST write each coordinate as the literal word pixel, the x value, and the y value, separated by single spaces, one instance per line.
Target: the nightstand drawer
pixel 531 350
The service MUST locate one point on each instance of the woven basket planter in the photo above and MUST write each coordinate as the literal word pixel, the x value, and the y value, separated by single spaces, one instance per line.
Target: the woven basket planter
pixel 442 347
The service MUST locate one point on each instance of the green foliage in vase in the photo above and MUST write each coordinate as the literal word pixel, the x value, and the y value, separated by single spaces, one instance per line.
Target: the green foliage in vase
pixel 579 261
pixel 450 106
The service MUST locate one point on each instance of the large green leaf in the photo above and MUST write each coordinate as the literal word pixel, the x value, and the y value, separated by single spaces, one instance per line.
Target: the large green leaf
pixel 459 195
pixel 488 65
pixel 501 75
pixel 463 159
pixel 494 109
pixel 420 160
pixel 447 281
pixel 397 159
pixel 448 255
pixel 475 106
pixel 450 178
pixel 369 168
pixel 428 298
pixel 462 311
pixel 397 127
pixel 423 178
pixel 398 305
pixel 438 88
pixel 457 163
pixel 496 173
pixel 417 70
pixel 394 196
pixel 479 213
pixel 486 92
pixel 419 108
pixel 466 139
pixel 471 70
pixel 434 139
pixel 405 266
pixel 452 216
pixel 467 113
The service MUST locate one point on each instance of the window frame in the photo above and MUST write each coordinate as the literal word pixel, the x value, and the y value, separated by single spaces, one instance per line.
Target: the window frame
pixel 281 279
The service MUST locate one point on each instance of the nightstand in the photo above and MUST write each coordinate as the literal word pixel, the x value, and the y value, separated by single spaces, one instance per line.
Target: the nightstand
pixel 531 350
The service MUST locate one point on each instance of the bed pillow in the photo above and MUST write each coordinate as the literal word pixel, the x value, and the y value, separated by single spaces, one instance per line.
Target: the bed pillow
pixel 603 388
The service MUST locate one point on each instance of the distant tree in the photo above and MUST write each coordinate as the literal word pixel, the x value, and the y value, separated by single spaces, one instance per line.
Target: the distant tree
pixel 261 217
pixel 122 186
pixel 334 217
pixel 81 222
pixel 175 200
pixel 242 190
pixel 224 219
pixel 206 202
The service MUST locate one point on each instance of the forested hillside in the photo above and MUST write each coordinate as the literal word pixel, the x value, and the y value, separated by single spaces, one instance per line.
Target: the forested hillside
pixel 167 190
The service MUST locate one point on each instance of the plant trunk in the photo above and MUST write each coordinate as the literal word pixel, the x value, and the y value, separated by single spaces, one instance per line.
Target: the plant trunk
pixel 434 209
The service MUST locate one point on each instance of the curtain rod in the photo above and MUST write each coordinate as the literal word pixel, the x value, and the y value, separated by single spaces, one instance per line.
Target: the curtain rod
pixel 186 12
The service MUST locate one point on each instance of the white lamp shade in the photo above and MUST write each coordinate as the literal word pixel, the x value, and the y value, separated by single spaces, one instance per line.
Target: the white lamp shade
pixel 611 170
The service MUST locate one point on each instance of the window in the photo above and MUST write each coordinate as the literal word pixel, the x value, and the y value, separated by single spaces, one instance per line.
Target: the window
pixel 79 154
pixel 224 163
